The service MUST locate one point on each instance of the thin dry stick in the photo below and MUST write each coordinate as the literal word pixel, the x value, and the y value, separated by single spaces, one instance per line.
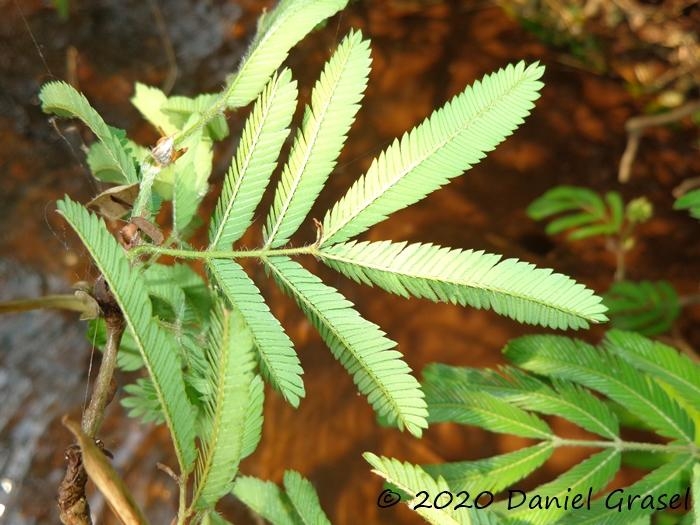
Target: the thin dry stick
pixel 169 81
pixel 636 126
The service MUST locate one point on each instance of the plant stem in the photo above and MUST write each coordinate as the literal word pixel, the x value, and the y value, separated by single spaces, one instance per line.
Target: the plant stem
pixel 212 254
pixel 103 391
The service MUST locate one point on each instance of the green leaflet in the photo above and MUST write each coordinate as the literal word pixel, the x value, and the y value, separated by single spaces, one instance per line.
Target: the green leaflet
pixel 304 499
pixel 379 372
pixel 334 104
pixel 157 348
pixel 492 474
pixel 279 363
pixel 149 101
pixel 231 363
pixel 594 473
pixel 256 158
pixel 663 362
pixel 604 372
pixel 63 100
pixel 447 143
pixel 510 287
pixel 563 399
pixel 461 404
pixel 266 499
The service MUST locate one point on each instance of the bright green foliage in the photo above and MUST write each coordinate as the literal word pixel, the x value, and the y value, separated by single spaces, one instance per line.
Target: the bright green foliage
pixel 634 374
pixel 304 499
pixel 298 505
pixel 361 347
pixel 278 31
pixel 255 159
pixel 156 346
pixel 572 360
pixel 560 398
pixel 691 202
pixel 586 213
pixel 510 287
pixel 454 402
pixel 231 363
pixel 63 100
pixel 334 103
pixel 649 308
pixel 279 363
pixel 207 344
pixel 447 143
pixel 674 370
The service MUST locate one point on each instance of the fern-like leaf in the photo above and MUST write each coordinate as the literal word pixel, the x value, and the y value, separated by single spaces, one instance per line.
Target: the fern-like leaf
pixel 334 104
pixel 563 399
pixel 278 31
pixel 510 287
pixel 461 404
pixel 667 479
pixel 649 308
pixel 231 363
pixel 592 475
pixel 256 158
pixel 378 370
pixel 63 100
pixel 663 362
pixel 304 499
pixel 492 474
pixel 450 141
pixel 604 372
pixel 588 214
pixel 279 363
pixel 157 347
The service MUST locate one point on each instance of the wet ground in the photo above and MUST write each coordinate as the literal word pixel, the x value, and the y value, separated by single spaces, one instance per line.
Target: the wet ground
pixel 423 53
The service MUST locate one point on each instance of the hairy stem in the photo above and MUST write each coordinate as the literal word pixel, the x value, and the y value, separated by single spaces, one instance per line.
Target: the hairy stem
pixel 212 254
